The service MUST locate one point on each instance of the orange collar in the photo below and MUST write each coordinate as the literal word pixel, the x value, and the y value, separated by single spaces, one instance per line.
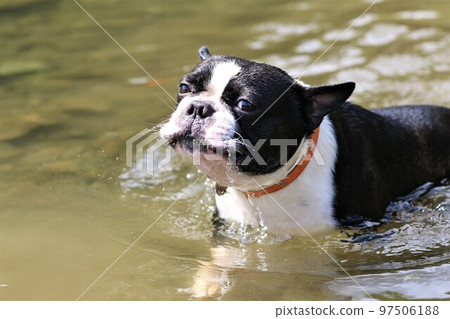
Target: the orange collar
pixel 293 174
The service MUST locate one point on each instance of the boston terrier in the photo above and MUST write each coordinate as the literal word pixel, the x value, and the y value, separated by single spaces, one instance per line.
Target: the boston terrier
pixel 298 158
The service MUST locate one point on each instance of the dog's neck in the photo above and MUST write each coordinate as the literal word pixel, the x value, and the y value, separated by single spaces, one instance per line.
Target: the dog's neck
pixel 308 199
pixel 303 154
pixel 307 148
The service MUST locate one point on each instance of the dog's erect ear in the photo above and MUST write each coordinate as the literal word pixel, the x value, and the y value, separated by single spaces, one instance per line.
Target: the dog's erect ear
pixel 319 101
pixel 204 53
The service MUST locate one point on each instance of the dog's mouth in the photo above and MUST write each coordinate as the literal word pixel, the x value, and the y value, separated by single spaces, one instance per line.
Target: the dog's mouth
pixel 190 144
pixel 232 152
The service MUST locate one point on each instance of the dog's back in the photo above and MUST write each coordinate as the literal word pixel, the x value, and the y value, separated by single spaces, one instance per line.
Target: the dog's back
pixel 387 153
pixel 429 127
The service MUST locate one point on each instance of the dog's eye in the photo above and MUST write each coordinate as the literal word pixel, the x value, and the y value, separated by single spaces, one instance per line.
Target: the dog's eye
pixel 184 88
pixel 245 106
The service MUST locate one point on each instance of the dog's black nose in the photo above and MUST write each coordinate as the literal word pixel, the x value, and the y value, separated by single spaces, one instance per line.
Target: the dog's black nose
pixel 201 109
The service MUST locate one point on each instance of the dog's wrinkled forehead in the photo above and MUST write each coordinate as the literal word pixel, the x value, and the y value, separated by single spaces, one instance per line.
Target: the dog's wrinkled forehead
pixel 216 73
pixel 220 76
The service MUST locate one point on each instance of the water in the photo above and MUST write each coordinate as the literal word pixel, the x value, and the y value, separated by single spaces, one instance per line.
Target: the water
pixel 70 98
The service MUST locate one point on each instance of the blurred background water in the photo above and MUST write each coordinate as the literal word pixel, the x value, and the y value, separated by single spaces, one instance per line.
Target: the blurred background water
pixel 70 98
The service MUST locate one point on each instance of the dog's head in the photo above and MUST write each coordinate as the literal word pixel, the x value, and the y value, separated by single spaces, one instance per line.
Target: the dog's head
pixel 230 111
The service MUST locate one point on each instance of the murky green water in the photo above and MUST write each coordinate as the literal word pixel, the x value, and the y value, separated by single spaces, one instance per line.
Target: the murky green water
pixel 69 101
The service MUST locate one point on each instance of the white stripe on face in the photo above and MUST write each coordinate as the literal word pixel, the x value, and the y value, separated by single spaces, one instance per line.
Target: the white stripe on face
pixel 221 75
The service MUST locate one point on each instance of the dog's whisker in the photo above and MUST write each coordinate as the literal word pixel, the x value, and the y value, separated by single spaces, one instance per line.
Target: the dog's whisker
pixel 170 104
pixel 158 126
pixel 238 118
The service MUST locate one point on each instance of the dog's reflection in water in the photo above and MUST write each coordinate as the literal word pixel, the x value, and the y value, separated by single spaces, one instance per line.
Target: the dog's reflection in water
pixel 230 265
pixel 212 279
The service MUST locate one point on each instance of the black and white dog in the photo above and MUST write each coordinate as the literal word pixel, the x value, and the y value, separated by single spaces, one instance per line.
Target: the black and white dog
pixel 256 129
